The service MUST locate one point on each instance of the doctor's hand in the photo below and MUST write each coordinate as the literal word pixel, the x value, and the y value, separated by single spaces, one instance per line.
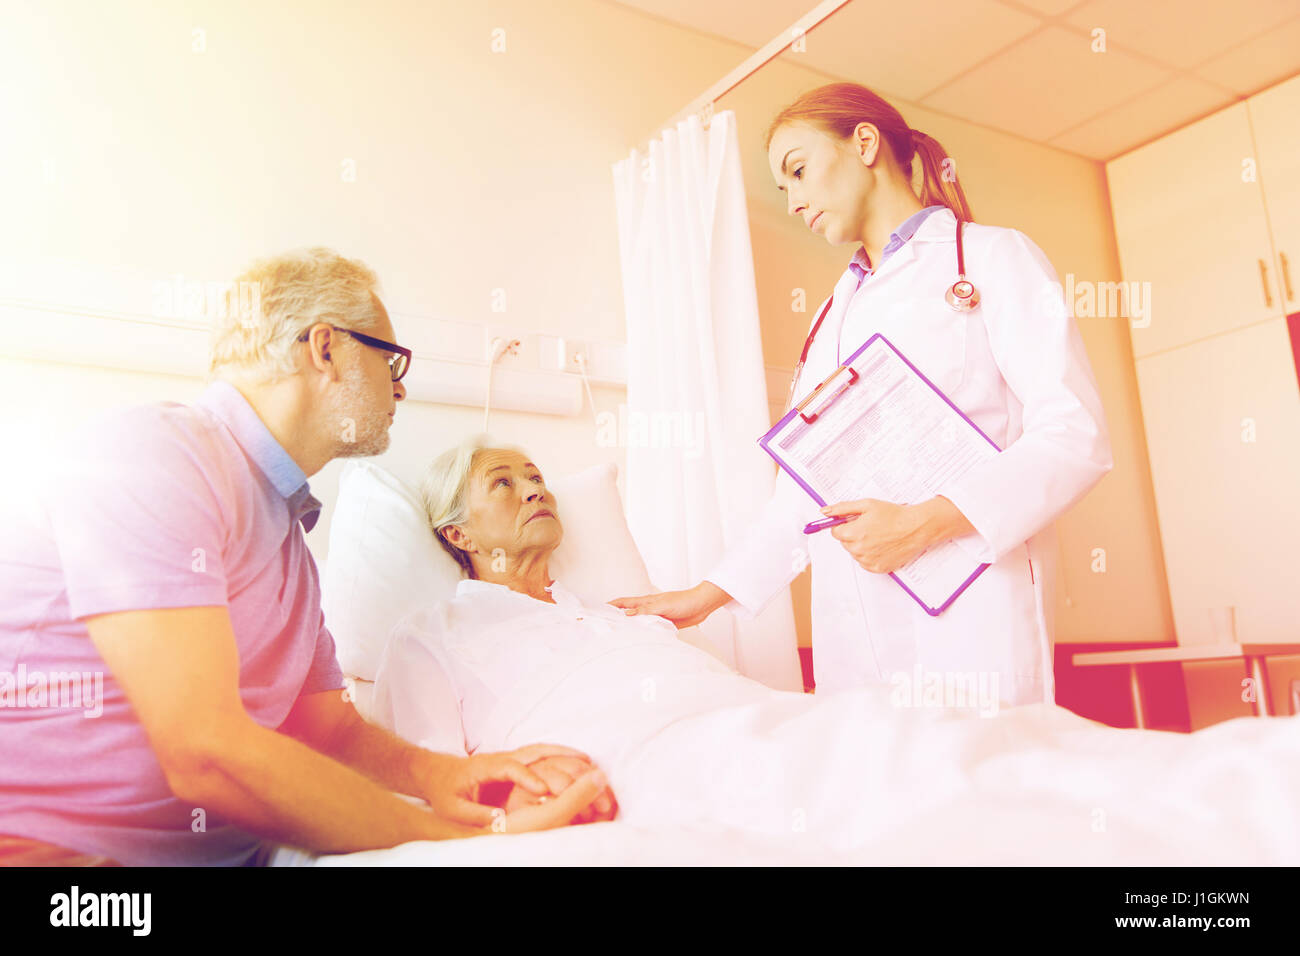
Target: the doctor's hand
pixel 884 536
pixel 684 608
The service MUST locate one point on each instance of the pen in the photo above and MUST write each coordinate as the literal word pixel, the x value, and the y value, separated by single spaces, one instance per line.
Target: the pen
pixel 823 523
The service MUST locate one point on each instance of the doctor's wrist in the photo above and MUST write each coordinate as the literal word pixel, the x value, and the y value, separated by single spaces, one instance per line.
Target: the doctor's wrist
pixel 940 520
pixel 713 594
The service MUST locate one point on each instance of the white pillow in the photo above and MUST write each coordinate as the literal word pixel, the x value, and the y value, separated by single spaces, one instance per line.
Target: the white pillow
pixel 596 559
pixel 385 563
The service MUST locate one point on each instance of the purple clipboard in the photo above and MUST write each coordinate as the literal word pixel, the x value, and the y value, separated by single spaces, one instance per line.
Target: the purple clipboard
pixel 766 440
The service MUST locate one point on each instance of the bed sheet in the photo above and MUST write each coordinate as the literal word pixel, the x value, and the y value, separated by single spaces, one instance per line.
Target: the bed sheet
pixel 1036 785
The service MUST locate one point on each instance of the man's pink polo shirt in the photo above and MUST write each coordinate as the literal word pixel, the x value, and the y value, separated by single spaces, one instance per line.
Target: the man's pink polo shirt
pixel 160 506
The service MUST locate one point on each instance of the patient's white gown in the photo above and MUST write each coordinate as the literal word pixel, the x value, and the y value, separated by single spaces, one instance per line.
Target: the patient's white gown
pixel 852 776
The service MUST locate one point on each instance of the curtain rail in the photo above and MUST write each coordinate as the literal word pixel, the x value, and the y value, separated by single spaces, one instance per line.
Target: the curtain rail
pixel 703 104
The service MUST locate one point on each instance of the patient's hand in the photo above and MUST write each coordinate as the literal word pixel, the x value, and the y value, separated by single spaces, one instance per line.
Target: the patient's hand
pixel 473 791
pixel 559 773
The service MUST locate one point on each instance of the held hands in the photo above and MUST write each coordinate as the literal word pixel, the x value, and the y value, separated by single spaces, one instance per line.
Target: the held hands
pixel 501 780
pixel 884 536
pixel 684 608
pixel 560 773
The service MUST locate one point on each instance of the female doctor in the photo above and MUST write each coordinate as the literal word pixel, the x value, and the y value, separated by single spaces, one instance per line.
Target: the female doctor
pixel 1012 360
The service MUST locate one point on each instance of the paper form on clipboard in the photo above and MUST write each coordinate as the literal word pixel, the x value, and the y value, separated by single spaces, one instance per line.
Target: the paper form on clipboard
pixel 878 428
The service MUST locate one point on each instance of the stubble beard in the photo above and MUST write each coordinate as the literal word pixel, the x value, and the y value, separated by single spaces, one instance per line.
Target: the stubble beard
pixel 360 430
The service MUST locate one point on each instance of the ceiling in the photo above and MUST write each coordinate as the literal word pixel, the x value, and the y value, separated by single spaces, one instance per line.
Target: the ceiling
pixel 1028 66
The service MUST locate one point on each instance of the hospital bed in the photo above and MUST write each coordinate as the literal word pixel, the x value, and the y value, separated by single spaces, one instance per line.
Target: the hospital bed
pixel 1243 788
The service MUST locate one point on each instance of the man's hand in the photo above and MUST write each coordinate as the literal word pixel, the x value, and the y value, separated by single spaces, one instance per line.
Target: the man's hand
pixel 560 773
pixel 464 785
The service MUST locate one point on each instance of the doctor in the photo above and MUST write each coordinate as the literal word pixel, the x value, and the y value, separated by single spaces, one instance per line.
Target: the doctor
pixel 1014 363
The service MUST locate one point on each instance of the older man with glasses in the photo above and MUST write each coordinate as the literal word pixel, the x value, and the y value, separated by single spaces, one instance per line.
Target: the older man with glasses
pixel 166 555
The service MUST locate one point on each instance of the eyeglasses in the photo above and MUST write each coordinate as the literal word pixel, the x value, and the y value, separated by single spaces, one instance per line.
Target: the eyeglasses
pixel 398 365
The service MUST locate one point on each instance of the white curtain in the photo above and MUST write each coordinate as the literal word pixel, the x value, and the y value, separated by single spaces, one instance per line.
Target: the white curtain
pixel 696 393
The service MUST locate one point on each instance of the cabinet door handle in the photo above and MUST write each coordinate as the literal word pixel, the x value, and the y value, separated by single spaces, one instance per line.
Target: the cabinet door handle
pixel 1263 277
pixel 1286 276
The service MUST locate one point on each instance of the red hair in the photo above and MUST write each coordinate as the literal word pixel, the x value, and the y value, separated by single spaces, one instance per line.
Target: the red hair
pixel 838 108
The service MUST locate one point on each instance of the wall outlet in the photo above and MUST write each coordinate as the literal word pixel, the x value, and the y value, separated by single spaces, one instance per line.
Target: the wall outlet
pixel 513 348
pixel 572 349
pixel 550 353
pixel 605 361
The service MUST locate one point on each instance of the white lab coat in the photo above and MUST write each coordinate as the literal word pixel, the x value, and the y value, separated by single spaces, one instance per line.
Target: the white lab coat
pixel 1016 366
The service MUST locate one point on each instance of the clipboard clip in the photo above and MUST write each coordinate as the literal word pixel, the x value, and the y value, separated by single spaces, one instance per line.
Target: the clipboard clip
pixel 853 377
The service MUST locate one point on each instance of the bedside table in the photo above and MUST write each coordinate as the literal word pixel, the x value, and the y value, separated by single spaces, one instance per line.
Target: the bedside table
pixel 1253 655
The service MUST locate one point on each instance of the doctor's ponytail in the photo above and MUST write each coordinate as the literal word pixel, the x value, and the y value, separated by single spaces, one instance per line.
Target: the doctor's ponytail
pixel 939 171
pixel 838 108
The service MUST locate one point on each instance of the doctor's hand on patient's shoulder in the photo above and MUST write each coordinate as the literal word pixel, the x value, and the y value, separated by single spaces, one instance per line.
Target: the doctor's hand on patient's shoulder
pixel 459 791
pixel 885 536
pixel 684 608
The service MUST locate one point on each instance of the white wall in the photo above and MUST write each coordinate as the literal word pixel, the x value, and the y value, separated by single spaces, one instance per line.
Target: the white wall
pixel 480 177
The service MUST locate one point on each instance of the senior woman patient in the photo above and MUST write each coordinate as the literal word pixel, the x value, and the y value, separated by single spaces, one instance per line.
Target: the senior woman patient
pixel 515 657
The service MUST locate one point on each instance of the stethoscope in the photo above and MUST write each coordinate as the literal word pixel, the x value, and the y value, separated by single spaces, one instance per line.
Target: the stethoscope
pixel 961 295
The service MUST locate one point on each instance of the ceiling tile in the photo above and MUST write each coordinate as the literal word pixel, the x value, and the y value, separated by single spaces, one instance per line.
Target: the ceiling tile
pixel 1259 63
pixel 1181 33
pixel 999 63
pixel 1146 117
pixel 1050 8
pixel 1045 85
pixel 749 22
pixel 906 50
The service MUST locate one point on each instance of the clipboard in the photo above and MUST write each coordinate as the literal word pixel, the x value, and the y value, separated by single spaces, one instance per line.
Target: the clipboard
pixel 918 440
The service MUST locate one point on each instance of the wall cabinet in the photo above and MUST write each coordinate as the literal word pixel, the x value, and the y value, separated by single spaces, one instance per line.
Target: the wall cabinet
pixel 1223 432
pixel 1275 119
pixel 1189 224
pixel 1216 372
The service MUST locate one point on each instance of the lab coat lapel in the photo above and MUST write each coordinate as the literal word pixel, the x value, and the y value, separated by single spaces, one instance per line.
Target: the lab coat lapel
pixel 880 293
pixel 905 254
pixel 940 226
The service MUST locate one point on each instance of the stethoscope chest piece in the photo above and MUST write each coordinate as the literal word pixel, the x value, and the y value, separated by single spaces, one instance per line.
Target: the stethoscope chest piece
pixel 963 296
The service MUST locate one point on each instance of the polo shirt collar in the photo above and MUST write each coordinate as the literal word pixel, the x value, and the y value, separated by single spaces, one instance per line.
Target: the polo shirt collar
pixel 259 445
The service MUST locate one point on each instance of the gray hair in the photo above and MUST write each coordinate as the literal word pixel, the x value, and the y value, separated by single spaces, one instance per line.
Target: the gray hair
pixel 289 293
pixel 444 491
